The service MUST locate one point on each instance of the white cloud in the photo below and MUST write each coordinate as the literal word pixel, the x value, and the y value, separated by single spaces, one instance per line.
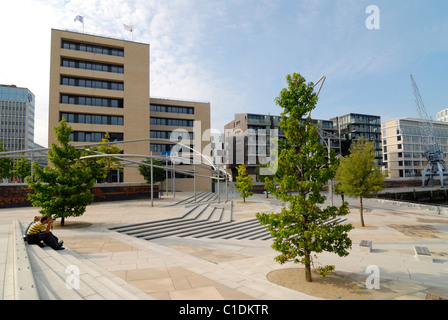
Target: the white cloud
pixel 231 53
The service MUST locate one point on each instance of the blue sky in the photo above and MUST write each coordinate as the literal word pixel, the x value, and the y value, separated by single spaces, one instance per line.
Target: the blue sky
pixel 235 54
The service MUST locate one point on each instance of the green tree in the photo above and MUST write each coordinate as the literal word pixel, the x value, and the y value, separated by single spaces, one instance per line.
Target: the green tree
pixel 358 175
pixel 5 164
pixel 299 230
pixel 101 167
pixel 244 183
pixel 158 173
pixel 21 169
pixel 62 189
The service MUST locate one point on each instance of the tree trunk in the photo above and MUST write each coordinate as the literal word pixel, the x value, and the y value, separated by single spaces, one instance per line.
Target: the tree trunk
pixel 62 221
pixel 361 211
pixel 308 277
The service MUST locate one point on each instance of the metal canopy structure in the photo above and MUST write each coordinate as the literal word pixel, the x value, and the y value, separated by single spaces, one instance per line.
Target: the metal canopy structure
pixel 435 164
pixel 128 160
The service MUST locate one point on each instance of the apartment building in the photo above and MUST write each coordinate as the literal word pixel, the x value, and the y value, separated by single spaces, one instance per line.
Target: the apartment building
pixel 247 139
pixel 17 107
pixel 101 84
pixel 350 127
pixel 442 115
pixel 403 146
pixel 182 128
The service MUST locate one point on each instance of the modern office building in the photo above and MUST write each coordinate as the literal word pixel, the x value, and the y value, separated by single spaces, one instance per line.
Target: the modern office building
pixel 100 84
pixel 442 115
pixel 247 139
pixel 17 107
pixel 403 146
pixel 186 124
pixel 352 126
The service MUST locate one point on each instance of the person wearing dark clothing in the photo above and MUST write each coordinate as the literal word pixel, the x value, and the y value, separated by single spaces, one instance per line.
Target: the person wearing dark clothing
pixel 40 231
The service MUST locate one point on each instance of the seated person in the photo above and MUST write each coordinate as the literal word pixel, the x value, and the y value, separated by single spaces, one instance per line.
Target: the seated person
pixel 36 219
pixel 38 232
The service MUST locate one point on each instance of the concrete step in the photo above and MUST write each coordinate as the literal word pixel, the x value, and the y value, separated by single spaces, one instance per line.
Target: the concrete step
pixel 66 275
pixel 7 261
pixel 213 220
pixel 24 283
pixel 198 219
pixel 190 213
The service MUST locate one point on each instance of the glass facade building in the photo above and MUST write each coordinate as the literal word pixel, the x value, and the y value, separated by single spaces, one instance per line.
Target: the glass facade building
pixel 403 146
pixel 352 126
pixel 17 107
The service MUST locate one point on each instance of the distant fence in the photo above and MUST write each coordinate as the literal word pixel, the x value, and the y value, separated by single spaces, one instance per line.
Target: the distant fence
pixel 16 195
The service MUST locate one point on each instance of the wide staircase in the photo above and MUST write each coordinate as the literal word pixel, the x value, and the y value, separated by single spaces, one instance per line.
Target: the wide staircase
pixel 202 217
pixel 34 273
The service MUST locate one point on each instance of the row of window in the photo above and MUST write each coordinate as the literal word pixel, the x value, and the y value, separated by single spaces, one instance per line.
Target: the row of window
pixel 171 109
pixel 13 108
pixel 70 45
pixel 91 101
pixel 95 84
pixel 154 147
pixel 171 134
pixel 80 136
pixel 172 122
pixel 94 66
pixel 92 119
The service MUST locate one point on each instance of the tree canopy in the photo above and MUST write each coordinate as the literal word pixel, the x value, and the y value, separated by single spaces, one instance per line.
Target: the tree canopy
pixel 62 189
pixel 244 183
pixel 159 174
pixel 5 164
pixel 357 175
pixel 303 169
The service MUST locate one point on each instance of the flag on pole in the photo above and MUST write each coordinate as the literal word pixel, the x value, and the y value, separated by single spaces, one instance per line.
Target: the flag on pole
pixel 79 18
pixel 128 28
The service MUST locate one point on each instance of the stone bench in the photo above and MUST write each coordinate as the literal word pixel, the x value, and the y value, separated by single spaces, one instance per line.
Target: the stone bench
pixel 365 245
pixel 422 254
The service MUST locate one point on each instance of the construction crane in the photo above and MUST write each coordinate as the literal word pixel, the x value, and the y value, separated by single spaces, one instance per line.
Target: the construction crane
pixel 434 156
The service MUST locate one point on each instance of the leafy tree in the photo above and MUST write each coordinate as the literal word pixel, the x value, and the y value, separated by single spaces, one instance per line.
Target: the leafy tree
pixel 358 175
pixel 101 167
pixel 63 189
pixel 303 169
pixel 158 173
pixel 5 164
pixel 21 169
pixel 244 183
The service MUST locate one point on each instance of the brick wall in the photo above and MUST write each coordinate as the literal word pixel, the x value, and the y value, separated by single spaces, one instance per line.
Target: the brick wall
pixel 17 195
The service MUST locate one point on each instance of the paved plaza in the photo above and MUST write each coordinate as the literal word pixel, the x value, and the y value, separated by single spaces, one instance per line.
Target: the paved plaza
pixel 182 265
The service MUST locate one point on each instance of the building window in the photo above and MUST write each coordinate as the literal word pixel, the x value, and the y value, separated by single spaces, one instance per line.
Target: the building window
pixel 92 119
pixel 91 101
pixel 95 66
pixel 155 134
pixel 171 109
pixel 154 147
pixel 80 136
pixel 89 83
pixel 172 122
pixel 70 45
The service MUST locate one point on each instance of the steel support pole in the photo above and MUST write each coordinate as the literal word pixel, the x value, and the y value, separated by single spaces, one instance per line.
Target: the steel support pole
pixel 152 182
pixel 194 182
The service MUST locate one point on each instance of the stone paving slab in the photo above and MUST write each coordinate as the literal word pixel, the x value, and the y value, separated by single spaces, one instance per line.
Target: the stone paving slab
pixel 175 268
